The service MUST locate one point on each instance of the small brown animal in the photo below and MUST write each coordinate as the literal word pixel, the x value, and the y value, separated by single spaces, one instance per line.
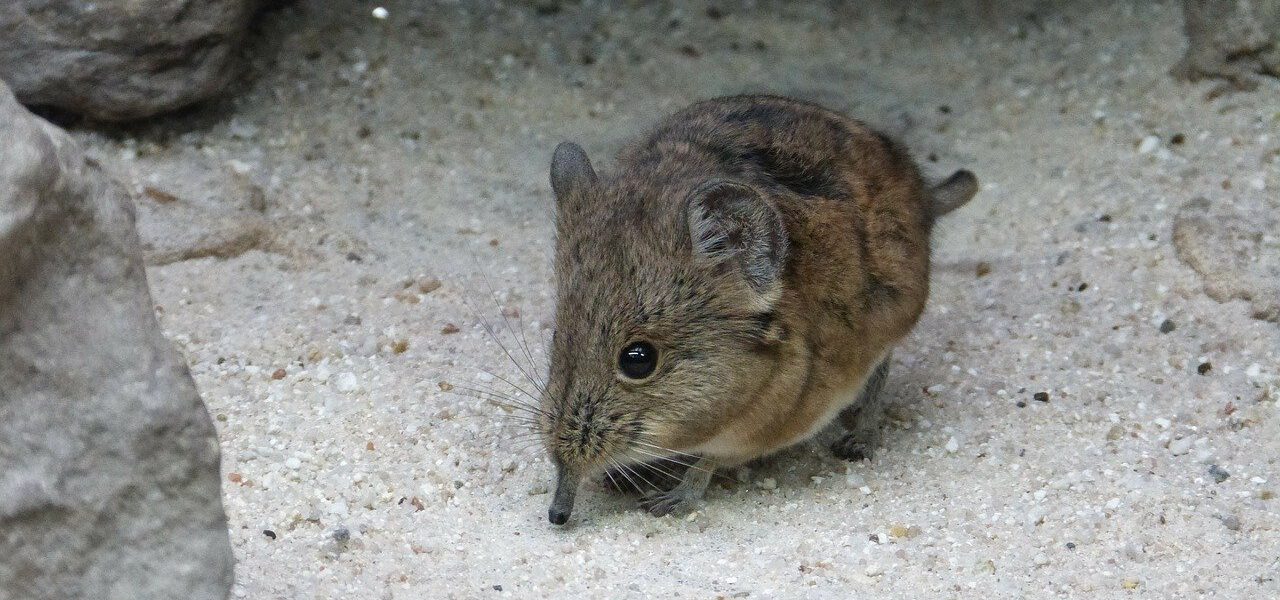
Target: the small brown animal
pixel 737 283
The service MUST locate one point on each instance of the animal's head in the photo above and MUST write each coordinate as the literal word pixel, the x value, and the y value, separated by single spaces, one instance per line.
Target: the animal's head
pixel 666 293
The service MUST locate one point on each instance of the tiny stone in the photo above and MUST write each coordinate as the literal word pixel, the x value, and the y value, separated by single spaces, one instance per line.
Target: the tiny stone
pixel 497 588
pixel 278 374
pixel 982 269
pixel 347 383
pixel 400 346
pixel 1041 559
pixel 1204 367
pixel 1231 522
pixel 445 386
pixel 1219 474
pixel 380 13
pixel 1129 584
pixel 1167 326
pixel 768 483
pixel 427 285
pixel 874 571
pixel 269 533
pixel 1148 144
pixel 293 462
pixel 449 328
pixel 1041 396
pixel 235 477
pixel 952 445
pixel 341 535
pixel 1021 404
pixel 1071 545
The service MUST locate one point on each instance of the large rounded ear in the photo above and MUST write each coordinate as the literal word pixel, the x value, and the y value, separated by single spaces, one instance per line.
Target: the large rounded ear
pixel 571 176
pixel 732 225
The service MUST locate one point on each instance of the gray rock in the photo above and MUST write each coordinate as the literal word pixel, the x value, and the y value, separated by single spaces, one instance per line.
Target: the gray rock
pixel 120 59
pixel 1234 251
pixel 109 474
pixel 1235 40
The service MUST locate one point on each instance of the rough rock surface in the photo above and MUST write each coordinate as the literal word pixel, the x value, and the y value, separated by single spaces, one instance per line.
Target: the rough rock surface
pixel 1236 252
pixel 108 461
pixel 120 59
pixel 1235 40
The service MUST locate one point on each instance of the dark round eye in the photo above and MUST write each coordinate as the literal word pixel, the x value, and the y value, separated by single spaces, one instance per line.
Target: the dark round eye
pixel 638 360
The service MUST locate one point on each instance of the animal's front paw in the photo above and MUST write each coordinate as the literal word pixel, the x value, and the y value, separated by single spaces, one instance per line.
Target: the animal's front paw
pixel 851 447
pixel 665 503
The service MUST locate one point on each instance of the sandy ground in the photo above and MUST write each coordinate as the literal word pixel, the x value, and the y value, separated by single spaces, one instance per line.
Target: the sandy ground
pixel 394 152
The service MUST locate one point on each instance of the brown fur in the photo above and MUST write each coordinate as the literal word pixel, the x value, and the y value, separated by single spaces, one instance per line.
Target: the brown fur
pixel 820 266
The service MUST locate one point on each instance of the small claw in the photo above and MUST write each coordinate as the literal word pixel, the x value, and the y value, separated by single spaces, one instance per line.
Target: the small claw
pixel 660 504
pixel 850 448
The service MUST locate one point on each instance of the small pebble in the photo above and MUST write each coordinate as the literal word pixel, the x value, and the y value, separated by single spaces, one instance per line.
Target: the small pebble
pixel 873 571
pixel 1148 144
pixel 380 13
pixel 1231 522
pixel 1041 559
pixel 1167 326
pixel 1204 367
pixel 1021 404
pixel 269 533
pixel 293 462
pixel 427 285
pixel 1219 474
pixel 341 535
pixel 768 483
pixel 347 383
pixel 952 445
pixel 497 588
pixel 1041 396
pixel 449 328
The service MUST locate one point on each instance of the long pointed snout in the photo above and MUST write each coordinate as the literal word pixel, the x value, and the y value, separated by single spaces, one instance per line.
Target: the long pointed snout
pixel 567 483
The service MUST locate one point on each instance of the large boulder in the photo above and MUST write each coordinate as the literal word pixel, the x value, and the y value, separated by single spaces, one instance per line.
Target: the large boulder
pixel 1236 40
pixel 120 59
pixel 109 466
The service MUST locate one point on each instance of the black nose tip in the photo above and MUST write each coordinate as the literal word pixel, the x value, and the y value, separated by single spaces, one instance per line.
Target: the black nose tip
pixel 558 517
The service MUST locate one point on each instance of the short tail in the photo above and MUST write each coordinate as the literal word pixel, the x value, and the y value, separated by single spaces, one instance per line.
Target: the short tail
pixel 953 193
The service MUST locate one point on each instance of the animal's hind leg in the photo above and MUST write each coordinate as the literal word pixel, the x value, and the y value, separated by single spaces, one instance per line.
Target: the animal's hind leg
pixel 862 419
